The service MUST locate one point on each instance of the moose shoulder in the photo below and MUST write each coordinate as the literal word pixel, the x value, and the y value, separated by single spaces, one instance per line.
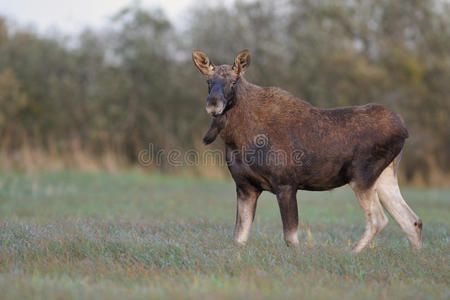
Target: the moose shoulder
pixel 279 143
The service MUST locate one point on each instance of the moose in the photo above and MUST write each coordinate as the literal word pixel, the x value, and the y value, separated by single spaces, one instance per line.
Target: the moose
pixel 356 145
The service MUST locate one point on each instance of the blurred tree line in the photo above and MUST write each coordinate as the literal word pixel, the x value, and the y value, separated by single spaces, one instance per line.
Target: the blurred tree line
pixel 117 90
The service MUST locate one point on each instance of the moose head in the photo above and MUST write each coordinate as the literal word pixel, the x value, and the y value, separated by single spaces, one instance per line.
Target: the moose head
pixel 222 80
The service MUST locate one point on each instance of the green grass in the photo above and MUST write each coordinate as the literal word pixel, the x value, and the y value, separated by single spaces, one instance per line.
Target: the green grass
pixel 95 236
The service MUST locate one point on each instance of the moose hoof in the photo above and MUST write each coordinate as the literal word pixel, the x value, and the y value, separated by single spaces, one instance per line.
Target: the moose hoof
pixel 292 244
pixel 416 246
pixel 355 251
pixel 238 243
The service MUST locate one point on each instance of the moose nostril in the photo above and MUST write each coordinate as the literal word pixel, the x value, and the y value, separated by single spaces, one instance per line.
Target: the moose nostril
pixel 212 101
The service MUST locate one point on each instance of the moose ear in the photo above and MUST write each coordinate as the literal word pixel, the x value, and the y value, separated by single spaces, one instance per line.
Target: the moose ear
pixel 202 62
pixel 241 62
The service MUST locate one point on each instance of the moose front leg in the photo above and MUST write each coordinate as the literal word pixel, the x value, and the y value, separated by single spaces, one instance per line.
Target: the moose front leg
pixel 245 213
pixel 287 201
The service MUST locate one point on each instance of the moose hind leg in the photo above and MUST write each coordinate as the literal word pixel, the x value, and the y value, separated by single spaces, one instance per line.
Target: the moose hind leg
pixel 392 200
pixel 245 213
pixel 376 220
pixel 287 201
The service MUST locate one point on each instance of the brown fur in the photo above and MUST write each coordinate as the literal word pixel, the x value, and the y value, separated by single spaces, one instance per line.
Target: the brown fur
pixel 338 145
pixel 217 124
pixel 334 146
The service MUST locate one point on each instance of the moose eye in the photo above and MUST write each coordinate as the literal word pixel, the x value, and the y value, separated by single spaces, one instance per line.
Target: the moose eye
pixel 209 82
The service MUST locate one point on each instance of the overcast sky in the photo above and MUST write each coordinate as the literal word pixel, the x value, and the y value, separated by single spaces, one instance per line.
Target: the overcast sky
pixel 72 16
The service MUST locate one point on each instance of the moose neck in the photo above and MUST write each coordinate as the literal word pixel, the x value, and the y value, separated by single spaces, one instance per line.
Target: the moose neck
pixel 241 114
pixel 256 109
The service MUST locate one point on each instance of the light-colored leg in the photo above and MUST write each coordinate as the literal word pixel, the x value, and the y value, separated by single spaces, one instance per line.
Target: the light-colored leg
pixel 376 220
pixel 392 200
pixel 287 201
pixel 245 213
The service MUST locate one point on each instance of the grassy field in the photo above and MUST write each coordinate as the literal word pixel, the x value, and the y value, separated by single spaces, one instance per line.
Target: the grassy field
pixel 95 236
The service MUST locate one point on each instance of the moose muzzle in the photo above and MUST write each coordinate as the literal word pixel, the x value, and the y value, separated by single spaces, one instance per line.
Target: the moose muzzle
pixel 215 103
